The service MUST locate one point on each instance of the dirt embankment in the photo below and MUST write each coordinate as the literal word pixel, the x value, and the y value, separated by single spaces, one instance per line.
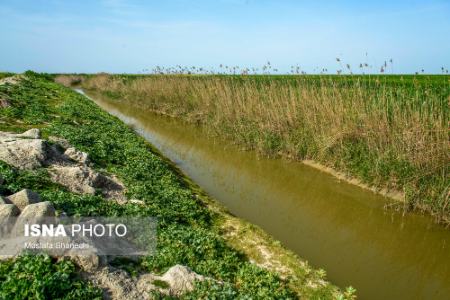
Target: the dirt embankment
pixel 84 161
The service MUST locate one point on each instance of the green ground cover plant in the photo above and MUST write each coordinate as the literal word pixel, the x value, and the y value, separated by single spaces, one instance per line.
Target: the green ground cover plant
pixel 187 229
pixel 41 277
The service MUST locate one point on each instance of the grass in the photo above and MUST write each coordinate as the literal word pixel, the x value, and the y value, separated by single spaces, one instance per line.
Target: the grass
pixel 189 224
pixel 388 131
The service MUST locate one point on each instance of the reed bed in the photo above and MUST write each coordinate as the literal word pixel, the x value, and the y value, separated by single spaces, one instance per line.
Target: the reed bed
pixel 390 132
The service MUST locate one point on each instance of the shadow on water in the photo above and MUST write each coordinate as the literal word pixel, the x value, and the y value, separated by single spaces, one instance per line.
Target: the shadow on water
pixel 334 225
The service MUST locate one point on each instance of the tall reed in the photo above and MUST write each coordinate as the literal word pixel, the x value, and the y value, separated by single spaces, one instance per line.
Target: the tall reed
pixel 388 131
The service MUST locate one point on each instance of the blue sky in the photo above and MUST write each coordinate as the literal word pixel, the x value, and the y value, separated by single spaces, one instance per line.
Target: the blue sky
pixel 129 36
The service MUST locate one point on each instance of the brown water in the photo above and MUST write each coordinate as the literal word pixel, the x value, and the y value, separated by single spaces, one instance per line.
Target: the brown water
pixel 334 225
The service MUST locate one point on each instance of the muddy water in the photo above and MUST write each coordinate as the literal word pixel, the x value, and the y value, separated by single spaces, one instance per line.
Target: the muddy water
pixel 334 225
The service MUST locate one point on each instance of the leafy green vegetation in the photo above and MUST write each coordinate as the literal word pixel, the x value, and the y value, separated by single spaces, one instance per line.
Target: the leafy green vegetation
pixel 4 74
pixel 187 228
pixel 41 277
pixel 389 131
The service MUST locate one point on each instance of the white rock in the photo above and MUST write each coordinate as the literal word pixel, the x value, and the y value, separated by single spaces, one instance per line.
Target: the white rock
pixel 116 285
pixel 136 201
pixel 33 133
pixel 42 212
pixel 23 198
pixel 8 210
pixel 89 262
pixel 37 211
pixel 76 155
pixel 181 279
pixel 7 214
pixel 84 180
pixel 77 179
pixel 22 153
pixel 23 150
pixel 11 79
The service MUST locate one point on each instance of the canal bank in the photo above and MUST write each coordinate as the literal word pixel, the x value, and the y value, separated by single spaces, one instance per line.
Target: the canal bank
pixel 191 236
pixel 332 224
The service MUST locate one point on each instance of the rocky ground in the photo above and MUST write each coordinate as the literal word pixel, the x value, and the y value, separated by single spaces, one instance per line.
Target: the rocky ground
pixel 69 167
pixel 66 165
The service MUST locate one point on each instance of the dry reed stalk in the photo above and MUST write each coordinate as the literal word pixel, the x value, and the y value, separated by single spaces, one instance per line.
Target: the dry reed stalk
pixel 322 119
